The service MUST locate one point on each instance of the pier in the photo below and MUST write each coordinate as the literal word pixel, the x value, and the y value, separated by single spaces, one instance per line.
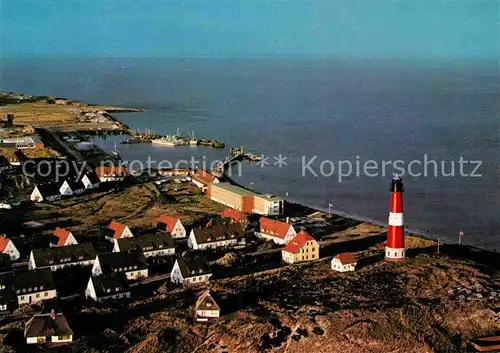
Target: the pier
pixel 235 154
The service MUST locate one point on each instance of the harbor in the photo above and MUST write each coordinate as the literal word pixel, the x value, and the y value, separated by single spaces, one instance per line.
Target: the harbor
pixel 175 140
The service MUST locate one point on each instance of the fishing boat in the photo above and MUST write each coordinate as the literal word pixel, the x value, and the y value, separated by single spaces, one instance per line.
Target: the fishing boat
pixel 192 139
pixel 169 141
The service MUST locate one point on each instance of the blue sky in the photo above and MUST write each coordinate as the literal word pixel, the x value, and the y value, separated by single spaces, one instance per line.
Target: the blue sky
pixel 413 29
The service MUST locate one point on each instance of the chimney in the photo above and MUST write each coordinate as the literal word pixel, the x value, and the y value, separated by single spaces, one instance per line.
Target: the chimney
pixel 288 220
pixel 53 314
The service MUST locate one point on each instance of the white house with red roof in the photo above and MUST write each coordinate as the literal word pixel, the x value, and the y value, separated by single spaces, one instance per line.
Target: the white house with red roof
pixel 277 231
pixel 235 216
pixel 118 230
pixel 303 247
pixel 172 225
pixel 8 247
pixel 62 237
pixel 344 262
pixel 202 179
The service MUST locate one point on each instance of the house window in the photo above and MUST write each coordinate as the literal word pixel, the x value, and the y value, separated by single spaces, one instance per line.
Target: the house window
pixel 38 295
pixel 46 294
pixel 22 297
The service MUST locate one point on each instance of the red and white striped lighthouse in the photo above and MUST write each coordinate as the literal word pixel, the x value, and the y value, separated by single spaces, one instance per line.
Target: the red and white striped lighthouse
pixel 395 249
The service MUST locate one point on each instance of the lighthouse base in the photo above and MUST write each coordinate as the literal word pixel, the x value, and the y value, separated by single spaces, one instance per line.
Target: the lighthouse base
pixel 395 255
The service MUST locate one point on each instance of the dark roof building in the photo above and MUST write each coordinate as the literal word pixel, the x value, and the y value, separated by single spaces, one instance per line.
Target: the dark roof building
pixel 48 190
pixel 50 327
pixel 119 262
pixel 112 285
pixel 193 268
pixel 8 300
pixel 217 235
pixel 58 257
pixel 26 286
pixel 75 185
pixel 93 178
pixel 146 243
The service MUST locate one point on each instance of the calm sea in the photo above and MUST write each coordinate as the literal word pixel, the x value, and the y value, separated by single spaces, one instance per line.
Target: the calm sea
pixel 337 110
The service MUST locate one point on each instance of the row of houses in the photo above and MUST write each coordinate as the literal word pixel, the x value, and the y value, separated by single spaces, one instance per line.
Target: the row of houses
pixel 55 191
pixel 51 192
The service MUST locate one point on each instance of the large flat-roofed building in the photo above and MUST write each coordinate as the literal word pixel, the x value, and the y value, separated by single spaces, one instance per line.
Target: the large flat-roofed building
pixel 245 200
pixel 21 143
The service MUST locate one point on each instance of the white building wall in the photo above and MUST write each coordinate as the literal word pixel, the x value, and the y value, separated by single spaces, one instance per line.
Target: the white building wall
pixel 34 340
pixel 96 268
pixel 31 262
pixel 191 242
pixel 179 230
pixel 70 240
pixel 90 290
pixel 12 251
pixel 65 190
pixel 176 275
pixel 159 252
pixel 133 275
pixel 339 267
pixel 23 298
pixel 36 195
pixel 68 338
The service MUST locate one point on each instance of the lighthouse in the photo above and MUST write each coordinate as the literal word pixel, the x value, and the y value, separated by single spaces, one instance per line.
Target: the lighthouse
pixel 395 249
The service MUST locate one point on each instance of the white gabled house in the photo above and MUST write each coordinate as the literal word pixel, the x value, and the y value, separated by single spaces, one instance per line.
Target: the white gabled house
pixel 60 257
pixel 345 262
pixel 91 181
pixel 8 247
pixel 29 286
pixel 206 308
pixel 190 272
pixel 71 187
pixel 108 287
pixel 277 231
pixel 48 328
pixel 172 225
pixel 158 244
pixel 132 263
pixel 45 193
pixel 216 236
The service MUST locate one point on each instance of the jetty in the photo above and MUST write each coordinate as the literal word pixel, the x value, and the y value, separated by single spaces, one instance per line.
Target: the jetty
pixel 235 154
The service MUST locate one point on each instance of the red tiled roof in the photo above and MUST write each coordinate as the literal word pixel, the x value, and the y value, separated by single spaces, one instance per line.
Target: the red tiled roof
pixel 235 215
pixel 204 177
pixel 346 258
pixel 3 243
pixel 169 221
pixel 274 228
pixel 118 228
pixel 62 234
pixel 298 242
pixel 110 171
